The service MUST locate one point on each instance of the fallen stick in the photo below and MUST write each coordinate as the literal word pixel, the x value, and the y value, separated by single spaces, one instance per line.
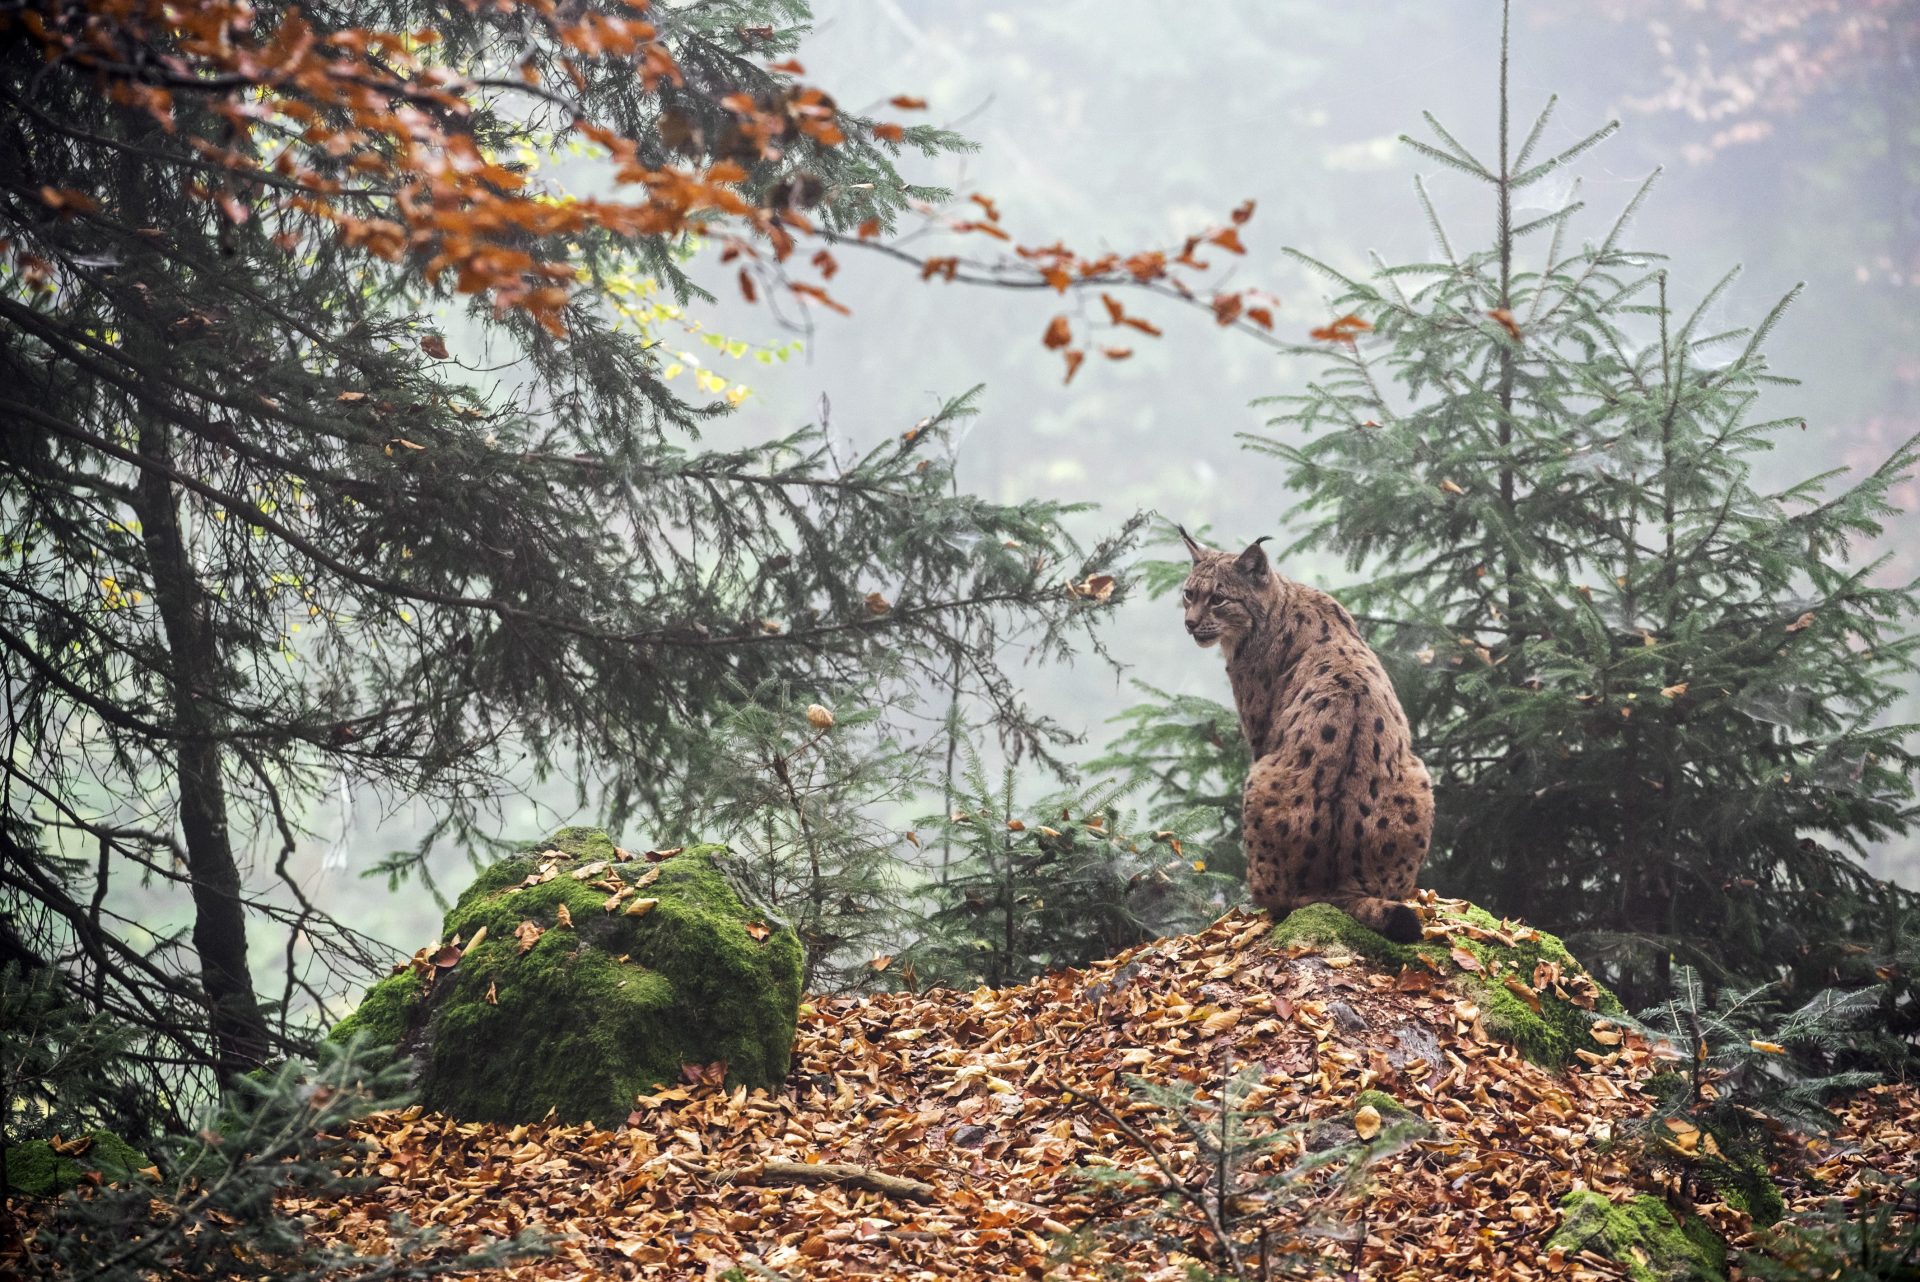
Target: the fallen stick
pixel 846 1173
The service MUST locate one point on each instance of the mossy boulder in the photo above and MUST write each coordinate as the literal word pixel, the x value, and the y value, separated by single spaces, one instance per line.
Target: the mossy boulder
pixel 589 1014
pixel 1548 1036
pixel 1642 1235
pixel 37 1169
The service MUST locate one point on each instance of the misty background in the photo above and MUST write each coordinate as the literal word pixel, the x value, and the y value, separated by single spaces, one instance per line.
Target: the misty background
pixel 1117 125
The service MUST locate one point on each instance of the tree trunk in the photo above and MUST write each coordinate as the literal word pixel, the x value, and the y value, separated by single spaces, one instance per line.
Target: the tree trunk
pixel 219 921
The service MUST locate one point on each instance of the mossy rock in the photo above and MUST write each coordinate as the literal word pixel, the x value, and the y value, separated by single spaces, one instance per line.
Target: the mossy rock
pixel 34 1169
pixel 1548 1037
pixel 600 1011
pixel 1642 1235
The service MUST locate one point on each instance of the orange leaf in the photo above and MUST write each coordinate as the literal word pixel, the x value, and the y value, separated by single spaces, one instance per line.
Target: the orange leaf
pixel 1058 334
pixel 819 295
pixel 1228 238
pixel 905 103
pixel 889 132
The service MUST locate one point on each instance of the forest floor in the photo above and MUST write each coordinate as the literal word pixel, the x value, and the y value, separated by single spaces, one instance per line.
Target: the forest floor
pixel 981 1112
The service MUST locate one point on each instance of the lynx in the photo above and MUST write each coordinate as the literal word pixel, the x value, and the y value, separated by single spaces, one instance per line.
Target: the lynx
pixel 1338 810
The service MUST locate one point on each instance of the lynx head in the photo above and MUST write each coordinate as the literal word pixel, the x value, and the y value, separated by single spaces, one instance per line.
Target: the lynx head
pixel 1226 595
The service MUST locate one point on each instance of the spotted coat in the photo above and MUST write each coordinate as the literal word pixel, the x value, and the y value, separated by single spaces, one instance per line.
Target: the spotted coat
pixel 1337 807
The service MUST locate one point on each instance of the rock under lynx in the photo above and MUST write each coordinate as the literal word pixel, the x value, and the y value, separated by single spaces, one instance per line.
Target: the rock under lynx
pixel 1338 810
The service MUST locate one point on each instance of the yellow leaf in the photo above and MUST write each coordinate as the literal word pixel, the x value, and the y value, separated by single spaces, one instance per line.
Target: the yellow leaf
pixel 1366 1122
pixel 640 907
pixel 1674 691
pixel 493 994
pixel 1220 1021
pixel 564 916
pixel 1770 1048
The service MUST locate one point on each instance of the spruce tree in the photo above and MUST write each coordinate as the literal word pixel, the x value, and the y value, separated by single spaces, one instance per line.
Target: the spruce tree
pixel 1652 691
pixel 266 529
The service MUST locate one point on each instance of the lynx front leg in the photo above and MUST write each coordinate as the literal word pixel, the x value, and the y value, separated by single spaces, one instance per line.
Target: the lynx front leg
pixel 1281 856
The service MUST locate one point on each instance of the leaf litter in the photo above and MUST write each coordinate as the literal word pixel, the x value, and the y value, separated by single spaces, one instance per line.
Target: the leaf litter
pixel 971 1095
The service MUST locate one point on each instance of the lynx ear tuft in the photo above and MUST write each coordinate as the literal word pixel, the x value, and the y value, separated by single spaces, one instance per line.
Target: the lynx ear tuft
pixel 1193 549
pixel 1253 561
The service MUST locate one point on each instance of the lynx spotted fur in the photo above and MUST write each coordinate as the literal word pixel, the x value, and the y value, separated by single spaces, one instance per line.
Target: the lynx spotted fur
pixel 1338 810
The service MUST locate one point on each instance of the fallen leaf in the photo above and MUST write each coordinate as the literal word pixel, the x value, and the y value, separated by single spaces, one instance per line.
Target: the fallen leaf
pixel 493 994
pixel 563 916
pixel 1464 959
pixel 1366 1122
pixel 759 930
pixel 1519 989
pixel 528 934
pixel 640 908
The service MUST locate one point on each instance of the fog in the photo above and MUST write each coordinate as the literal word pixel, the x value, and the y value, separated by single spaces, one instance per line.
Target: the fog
pixel 1113 124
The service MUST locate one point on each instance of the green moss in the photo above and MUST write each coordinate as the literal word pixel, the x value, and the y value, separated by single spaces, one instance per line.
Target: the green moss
pixel 385 1013
pixel 1384 1104
pixel 598 1011
pixel 35 1170
pixel 1642 1235
pixel 1548 1037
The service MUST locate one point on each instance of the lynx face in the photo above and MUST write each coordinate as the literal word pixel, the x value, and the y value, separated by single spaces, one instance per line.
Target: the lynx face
pixel 1225 595
pixel 1213 609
